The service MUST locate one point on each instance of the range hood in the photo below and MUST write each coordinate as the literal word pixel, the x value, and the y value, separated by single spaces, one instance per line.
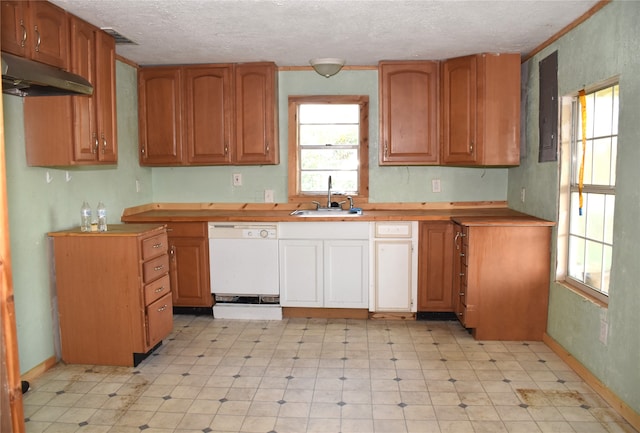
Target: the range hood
pixel 24 77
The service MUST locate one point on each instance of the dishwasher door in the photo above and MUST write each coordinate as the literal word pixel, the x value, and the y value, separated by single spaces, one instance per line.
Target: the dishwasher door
pixel 243 260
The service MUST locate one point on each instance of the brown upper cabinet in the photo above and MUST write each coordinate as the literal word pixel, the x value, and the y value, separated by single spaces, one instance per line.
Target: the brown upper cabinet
pixel 208 114
pixel 460 112
pixel 38 30
pixel 77 130
pixel 481 110
pixel 409 113
pixel 94 118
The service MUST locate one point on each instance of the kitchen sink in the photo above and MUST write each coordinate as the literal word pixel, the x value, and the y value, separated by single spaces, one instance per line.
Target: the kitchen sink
pixel 327 212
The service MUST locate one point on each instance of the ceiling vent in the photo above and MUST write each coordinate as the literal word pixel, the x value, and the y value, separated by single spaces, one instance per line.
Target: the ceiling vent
pixel 119 38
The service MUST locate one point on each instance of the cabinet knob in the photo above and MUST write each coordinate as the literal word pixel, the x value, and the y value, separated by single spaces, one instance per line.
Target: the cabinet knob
pixel 471 147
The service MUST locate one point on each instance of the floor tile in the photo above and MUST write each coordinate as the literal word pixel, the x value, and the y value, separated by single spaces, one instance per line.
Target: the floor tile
pixel 319 375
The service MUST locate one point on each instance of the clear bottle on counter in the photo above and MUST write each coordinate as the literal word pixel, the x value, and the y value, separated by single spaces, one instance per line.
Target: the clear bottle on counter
pixel 85 217
pixel 102 217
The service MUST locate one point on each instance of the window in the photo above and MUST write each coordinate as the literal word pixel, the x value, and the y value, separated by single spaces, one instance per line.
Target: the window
pixel 328 136
pixel 590 228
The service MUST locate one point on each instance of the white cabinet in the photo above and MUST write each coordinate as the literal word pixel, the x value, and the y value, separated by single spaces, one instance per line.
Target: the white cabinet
pixel 394 270
pixel 324 264
pixel 301 273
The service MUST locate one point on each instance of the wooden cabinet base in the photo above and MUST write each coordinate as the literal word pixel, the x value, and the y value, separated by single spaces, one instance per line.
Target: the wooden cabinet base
pixel 325 313
pixel 113 297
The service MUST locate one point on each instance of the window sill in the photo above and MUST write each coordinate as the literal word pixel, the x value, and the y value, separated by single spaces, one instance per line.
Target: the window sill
pixel 583 294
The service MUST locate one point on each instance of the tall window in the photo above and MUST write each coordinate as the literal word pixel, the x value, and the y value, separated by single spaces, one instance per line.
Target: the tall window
pixel 328 136
pixel 593 176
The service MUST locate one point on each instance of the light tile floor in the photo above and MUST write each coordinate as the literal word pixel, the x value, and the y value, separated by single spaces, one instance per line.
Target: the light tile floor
pixel 313 375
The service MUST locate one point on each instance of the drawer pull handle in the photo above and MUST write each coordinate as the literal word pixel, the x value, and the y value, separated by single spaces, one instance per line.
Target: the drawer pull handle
pixel 38 39
pixel 157 245
pixel 158 268
pixel 161 309
pixel 462 274
pixel 24 34
pixel 159 289
pixel 461 293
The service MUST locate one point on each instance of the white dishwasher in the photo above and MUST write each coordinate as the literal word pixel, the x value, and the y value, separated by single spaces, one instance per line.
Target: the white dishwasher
pixel 243 261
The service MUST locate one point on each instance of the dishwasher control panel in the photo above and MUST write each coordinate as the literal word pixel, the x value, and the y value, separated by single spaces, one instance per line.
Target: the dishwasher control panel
pixel 242 231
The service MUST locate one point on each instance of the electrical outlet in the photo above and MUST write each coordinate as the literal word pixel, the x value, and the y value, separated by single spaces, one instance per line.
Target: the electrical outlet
pixel 435 185
pixel 237 179
pixel 604 331
pixel 268 196
pixel 522 194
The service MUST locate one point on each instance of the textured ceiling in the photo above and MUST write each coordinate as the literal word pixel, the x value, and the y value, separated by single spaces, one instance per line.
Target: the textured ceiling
pixel 290 32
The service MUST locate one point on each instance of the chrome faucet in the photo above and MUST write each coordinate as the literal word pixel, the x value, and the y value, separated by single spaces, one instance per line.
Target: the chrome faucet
pixel 329 193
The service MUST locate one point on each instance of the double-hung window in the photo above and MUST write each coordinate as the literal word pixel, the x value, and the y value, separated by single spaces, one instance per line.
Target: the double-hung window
pixel 591 191
pixel 328 137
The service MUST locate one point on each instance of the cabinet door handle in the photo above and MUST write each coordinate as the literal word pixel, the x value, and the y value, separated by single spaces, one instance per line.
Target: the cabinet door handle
pixel 471 147
pixel 104 144
pixel 159 289
pixel 37 38
pixel 462 274
pixel 94 148
pixel 386 149
pixel 267 148
pixel 226 149
pixel 161 309
pixel 23 42
pixel 158 268
pixel 461 293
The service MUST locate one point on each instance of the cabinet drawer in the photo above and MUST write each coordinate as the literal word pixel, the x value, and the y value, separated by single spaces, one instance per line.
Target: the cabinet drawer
pixel 393 230
pixel 159 319
pixel 154 246
pixel 156 289
pixel 188 230
pixel 155 268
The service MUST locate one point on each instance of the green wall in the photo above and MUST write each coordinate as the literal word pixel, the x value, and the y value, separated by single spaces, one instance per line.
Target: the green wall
pixel 605 46
pixel 37 207
pixel 386 184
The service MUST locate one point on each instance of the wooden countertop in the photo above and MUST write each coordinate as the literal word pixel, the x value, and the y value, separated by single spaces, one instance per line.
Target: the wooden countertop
pixel 466 213
pixel 112 230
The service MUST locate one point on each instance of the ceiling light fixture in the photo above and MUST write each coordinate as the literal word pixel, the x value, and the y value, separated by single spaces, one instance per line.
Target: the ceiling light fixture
pixel 327 66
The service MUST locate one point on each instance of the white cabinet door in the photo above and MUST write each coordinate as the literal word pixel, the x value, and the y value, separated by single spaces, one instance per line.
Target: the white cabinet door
pixel 301 275
pixel 346 274
pixel 393 276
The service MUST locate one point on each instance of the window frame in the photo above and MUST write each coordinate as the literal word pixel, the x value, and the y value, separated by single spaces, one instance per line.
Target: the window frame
pixel 293 182
pixel 570 110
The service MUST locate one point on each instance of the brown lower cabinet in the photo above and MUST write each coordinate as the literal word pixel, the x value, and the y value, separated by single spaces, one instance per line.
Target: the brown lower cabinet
pixel 189 262
pixel 435 267
pixel 113 293
pixel 501 276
